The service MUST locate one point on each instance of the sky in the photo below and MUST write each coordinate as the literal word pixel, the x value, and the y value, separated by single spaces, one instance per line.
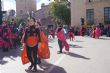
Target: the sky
pixel 10 4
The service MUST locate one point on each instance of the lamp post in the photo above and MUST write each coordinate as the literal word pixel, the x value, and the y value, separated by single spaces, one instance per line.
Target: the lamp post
pixel 0 12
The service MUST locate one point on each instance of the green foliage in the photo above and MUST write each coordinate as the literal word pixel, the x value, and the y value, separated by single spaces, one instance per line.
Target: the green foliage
pixel 60 10
pixel 18 21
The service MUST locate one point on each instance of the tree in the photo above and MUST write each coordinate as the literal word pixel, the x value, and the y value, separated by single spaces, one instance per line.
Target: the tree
pixel 60 10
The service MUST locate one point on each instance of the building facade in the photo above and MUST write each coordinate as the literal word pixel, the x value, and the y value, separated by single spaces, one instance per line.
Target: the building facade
pixel 43 12
pixel 25 7
pixel 90 12
pixel 43 15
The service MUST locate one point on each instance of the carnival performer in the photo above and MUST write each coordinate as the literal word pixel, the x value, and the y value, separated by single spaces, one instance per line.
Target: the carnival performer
pixel 31 40
pixel 70 35
pixel 1 40
pixel 98 32
pixel 93 32
pixel 5 36
pixel 35 46
pixel 62 40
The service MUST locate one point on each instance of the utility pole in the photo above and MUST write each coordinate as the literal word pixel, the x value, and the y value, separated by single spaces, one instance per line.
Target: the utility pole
pixel 0 12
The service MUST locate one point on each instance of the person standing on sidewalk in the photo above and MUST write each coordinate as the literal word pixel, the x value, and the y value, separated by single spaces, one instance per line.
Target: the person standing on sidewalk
pixel 32 40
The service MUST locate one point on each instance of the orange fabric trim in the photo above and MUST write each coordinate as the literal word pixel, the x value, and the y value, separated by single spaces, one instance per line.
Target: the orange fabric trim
pixel 24 57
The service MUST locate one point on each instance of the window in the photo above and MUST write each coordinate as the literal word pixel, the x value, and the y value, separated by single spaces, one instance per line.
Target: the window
pixel 21 11
pixel 89 0
pixel 90 16
pixel 107 15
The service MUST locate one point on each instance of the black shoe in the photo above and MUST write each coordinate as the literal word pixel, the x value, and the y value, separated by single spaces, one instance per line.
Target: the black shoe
pixel 5 50
pixel 59 52
pixel 29 68
pixel 34 70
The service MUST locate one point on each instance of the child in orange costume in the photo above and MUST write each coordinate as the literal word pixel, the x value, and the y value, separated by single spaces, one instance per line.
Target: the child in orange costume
pixel 30 42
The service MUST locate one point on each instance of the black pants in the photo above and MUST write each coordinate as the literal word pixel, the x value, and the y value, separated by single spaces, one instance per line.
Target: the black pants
pixel 15 42
pixel 60 45
pixel 5 48
pixel 83 33
pixel 32 55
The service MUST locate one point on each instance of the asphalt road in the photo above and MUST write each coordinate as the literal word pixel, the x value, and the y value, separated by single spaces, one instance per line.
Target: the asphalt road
pixel 87 55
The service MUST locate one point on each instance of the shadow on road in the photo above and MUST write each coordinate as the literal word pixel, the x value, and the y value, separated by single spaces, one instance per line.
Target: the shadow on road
pixel 13 53
pixel 78 56
pixel 104 38
pixel 78 41
pixel 74 46
pixel 49 68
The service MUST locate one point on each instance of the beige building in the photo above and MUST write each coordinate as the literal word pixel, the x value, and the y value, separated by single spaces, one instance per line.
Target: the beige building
pixel 43 12
pixel 92 11
pixel 24 7
pixel 44 16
